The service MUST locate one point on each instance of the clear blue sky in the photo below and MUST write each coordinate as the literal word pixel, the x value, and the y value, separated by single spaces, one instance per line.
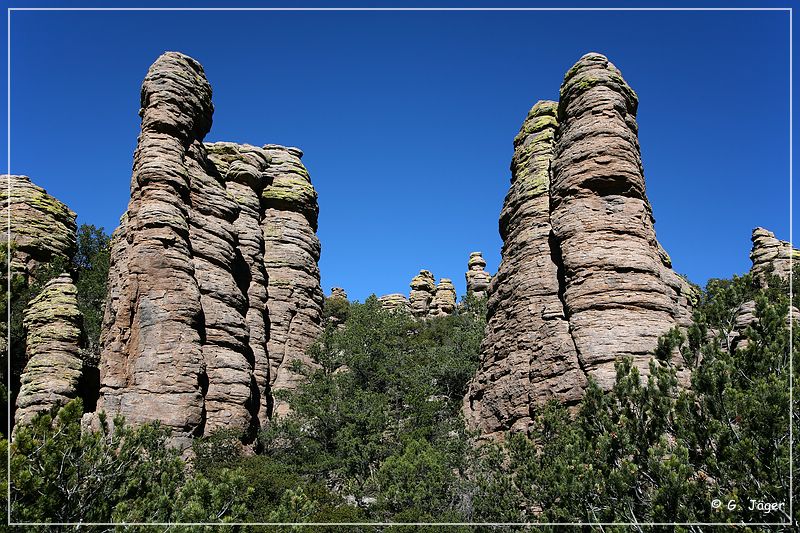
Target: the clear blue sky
pixel 407 118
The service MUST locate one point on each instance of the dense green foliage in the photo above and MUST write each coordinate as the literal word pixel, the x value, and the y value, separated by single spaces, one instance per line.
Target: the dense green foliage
pixel 91 264
pixel 375 434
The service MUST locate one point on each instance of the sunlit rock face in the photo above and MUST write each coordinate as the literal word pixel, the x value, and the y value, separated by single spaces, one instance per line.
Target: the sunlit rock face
pixel 214 285
pixel 583 280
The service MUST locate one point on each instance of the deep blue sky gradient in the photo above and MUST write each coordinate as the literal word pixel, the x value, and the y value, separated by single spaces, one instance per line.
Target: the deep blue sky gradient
pixel 407 119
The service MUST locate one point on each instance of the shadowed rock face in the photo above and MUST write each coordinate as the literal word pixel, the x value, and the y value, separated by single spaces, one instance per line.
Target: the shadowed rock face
pixel 477 278
pixel 242 167
pixel 214 285
pixel 53 370
pixel 583 280
pixel 42 228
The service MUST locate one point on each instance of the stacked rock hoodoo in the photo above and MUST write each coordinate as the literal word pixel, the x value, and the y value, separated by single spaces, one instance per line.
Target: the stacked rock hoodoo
pixel 47 370
pixel 577 219
pixel 423 289
pixel 54 368
pixel 291 255
pixel 528 355
pixel 444 300
pixel 214 285
pixel 477 278
pixel 770 256
pixel 620 292
pixel 338 292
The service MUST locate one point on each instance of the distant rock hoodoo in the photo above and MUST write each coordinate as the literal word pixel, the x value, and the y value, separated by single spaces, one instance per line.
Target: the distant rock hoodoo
pixel 477 278
pixel 583 280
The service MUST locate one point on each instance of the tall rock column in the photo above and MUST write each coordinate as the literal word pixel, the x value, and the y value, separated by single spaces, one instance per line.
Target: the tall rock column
pixel 52 374
pixel 291 255
pixel 243 167
pixel 218 261
pixel 528 355
pixel 477 278
pixel 152 364
pixel 423 288
pixel 444 300
pixel 620 293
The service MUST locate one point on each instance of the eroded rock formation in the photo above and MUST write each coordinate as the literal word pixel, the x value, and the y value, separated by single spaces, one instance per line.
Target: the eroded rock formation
pixel 53 371
pixel 42 228
pixel 338 292
pixel 291 255
pixel 619 292
pixel 770 256
pixel 214 285
pixel 583 280
pixel 528 355
pixel 444 300
pixel 477 278
pixel 395 302
pixel 423 288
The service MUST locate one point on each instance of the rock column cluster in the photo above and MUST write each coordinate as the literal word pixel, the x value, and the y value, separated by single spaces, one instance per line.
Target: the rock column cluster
pixel 214 285
pixel 583 280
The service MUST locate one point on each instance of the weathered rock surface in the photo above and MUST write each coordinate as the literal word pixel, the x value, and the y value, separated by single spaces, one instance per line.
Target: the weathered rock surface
pixel 242 168
pixel 528 355
pixel 153 365
pixel 42 228
pixel 444 299
pixel 53 371
pixel 423 288
pixel 338 292
pixel 214 286
pixel 291 255
pixel 395 302
pixel 770 256
pixel 583 280
pixel 477 278
pixel 619 291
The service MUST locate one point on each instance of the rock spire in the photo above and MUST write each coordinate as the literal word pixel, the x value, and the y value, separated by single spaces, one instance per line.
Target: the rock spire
pixel 583 280
pixel 477 278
